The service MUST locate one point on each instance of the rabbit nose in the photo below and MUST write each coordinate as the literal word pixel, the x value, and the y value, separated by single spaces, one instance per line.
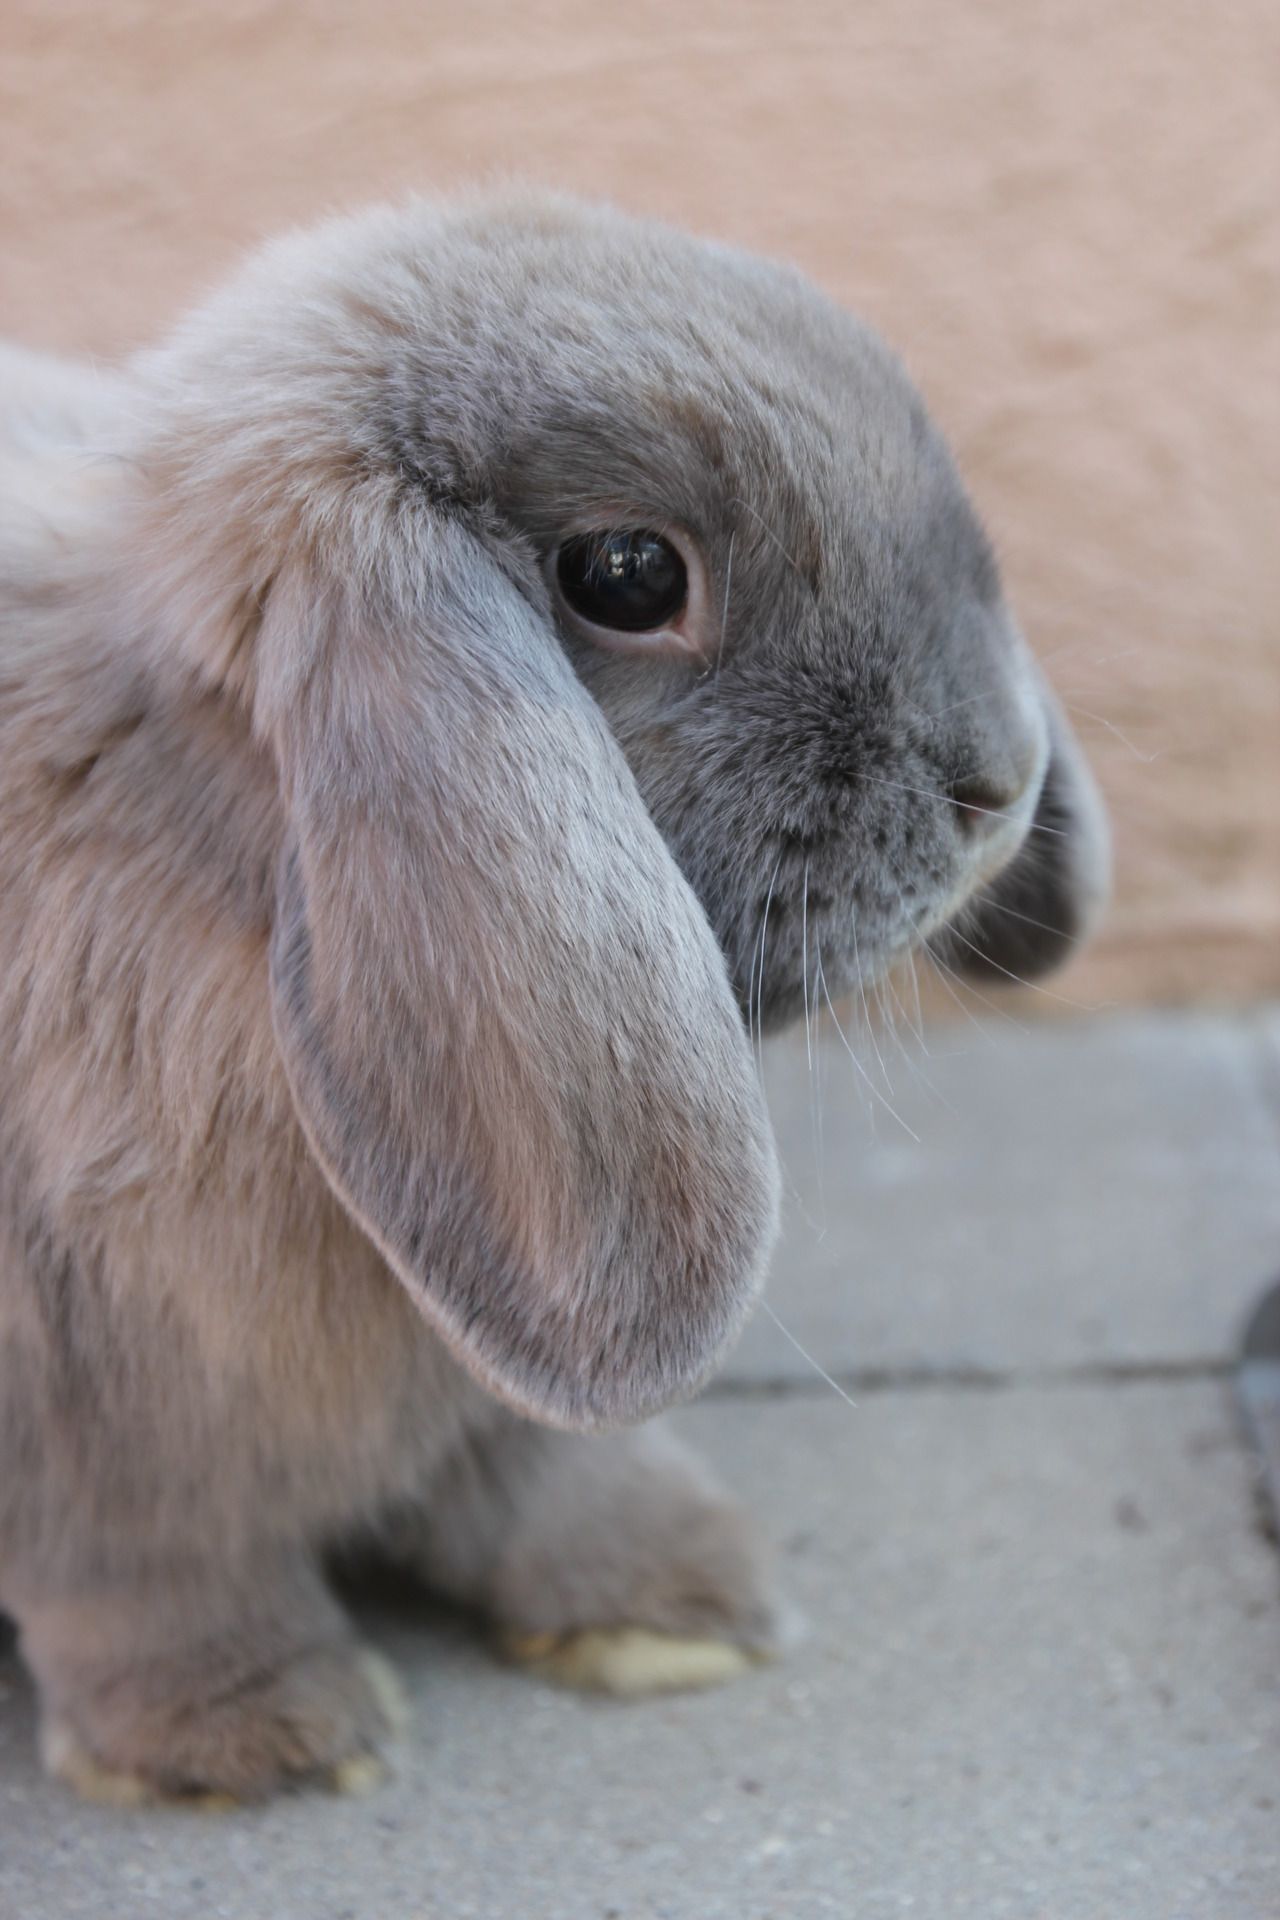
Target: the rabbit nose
pixel 995 767
pixel 984 802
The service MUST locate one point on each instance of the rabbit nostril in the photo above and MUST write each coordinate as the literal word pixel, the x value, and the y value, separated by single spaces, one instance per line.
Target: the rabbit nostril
pixel 982 804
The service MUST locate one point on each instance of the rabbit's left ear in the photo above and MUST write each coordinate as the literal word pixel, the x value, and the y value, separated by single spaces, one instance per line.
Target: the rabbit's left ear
pixel 505 1022
pixel 1040 907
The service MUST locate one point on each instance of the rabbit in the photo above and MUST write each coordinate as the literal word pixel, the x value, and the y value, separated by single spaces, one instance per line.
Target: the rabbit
pixel 495 659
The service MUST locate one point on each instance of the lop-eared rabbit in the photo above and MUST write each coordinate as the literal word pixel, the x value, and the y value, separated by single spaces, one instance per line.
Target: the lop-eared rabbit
pixel 487 659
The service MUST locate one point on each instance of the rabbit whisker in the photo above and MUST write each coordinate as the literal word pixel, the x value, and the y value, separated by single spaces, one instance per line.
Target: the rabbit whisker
pixel 818 1109
pixel 812 1034
pixel 996 813
pixel 891 1007
pixel 724 609
pixel 894 1010
pixel 1070 651
pixel 862 992
pixel 1048 993
pixel 915 985
pixel 764 931
pixel 992 694
pixel 898 1015
pixel 804 951
pixel 1111 727
pixel 987 900
pixel 972 700
pixel 806 1355
pixel 913 1026
pixel 946 975
pixel 861 1070
pixel 767 530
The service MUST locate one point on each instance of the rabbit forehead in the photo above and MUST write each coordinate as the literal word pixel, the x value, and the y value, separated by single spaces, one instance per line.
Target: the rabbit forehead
pixel 560 360
pixel 568 359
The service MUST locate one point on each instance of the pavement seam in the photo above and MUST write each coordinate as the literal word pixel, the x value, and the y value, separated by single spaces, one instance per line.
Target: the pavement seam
pixel 951 1379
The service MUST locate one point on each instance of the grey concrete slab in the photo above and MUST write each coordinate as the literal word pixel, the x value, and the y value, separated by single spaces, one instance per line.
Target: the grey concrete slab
pixel 1041 1680
pixel 1267 1019
pixel 1102 1191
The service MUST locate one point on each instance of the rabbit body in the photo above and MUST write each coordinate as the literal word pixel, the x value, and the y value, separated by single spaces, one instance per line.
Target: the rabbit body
pixel 376 1110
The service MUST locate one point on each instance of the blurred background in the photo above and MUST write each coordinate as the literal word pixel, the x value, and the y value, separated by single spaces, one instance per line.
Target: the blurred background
pixel 1065 217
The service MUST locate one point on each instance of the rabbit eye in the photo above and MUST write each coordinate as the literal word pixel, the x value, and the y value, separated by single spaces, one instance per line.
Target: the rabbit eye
pixel 633 582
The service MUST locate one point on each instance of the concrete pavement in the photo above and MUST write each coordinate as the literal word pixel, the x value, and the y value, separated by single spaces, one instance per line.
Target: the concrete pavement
pixel 1041 1677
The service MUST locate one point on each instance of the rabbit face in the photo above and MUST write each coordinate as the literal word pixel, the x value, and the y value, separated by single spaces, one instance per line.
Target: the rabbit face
pixel 849 742
pixel 765 569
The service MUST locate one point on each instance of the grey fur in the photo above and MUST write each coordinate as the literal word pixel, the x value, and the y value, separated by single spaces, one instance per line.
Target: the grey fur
pixel 374 948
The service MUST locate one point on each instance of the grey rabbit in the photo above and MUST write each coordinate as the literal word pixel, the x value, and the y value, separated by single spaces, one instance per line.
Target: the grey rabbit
pixel 421 679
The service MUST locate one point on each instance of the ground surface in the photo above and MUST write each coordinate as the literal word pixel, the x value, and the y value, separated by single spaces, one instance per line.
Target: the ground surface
pixel 1041 1677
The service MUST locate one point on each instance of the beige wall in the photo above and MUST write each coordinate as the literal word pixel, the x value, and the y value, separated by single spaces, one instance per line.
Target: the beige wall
pixel 1064 215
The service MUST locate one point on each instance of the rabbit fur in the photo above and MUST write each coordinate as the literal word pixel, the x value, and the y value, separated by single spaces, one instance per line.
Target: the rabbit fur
pixel 377 1108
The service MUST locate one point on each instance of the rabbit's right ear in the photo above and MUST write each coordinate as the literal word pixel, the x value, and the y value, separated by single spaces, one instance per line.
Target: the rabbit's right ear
pixel 506 1024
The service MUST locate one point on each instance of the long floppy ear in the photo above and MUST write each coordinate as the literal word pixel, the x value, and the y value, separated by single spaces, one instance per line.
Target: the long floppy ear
pixel 505 1022
pixel 1048 899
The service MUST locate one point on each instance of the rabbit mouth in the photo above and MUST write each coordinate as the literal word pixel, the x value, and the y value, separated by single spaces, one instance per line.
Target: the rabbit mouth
pixel 830 825
pixel 835 915
pixel 829 923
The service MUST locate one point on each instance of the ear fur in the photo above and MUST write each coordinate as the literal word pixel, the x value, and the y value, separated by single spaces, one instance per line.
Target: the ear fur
pixel 505 1022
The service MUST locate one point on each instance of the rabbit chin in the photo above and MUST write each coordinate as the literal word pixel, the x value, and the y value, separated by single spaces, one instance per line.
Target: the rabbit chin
pixel 805 960
pixel 790 993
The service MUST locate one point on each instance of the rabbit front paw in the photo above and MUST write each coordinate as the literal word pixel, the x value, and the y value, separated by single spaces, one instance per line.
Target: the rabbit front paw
pixel 321 1720
pixel 208 1688
pixel 613 1563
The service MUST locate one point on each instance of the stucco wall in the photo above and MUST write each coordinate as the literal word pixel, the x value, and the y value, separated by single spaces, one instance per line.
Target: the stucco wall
pixel 1065 216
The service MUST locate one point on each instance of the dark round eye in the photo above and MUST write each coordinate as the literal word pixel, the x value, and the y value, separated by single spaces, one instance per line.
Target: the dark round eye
pixel 630 581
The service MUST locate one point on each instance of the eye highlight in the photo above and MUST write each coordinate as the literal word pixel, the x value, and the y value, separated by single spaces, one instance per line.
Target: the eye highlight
pixel 629 581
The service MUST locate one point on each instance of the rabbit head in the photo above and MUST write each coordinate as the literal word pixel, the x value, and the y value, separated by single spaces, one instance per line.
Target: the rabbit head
pixel 631 659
